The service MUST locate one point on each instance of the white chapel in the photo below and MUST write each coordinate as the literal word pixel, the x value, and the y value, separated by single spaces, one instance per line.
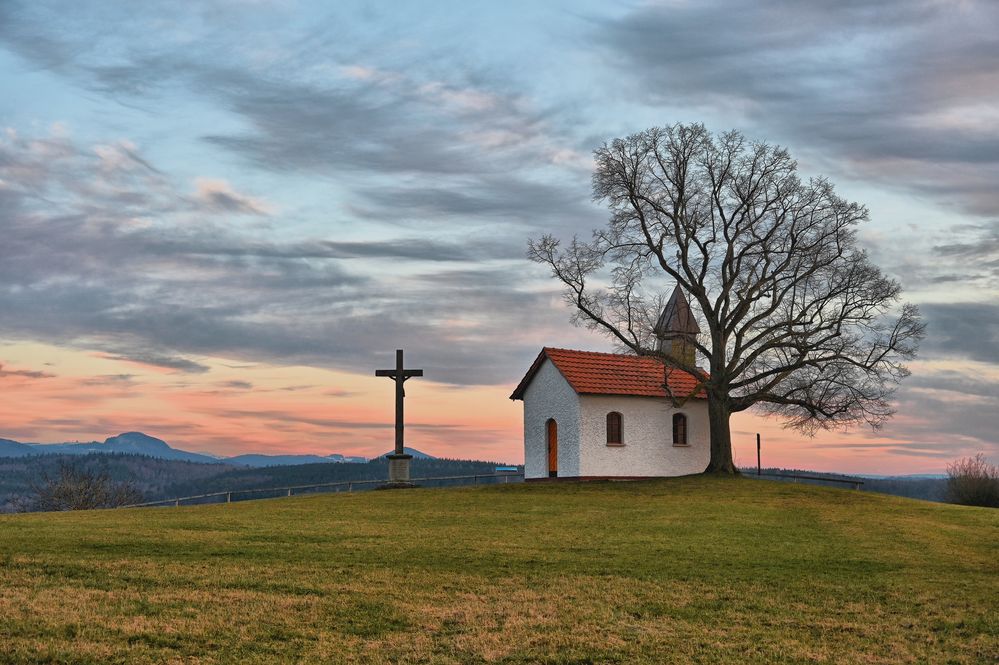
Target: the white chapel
pixel 590 415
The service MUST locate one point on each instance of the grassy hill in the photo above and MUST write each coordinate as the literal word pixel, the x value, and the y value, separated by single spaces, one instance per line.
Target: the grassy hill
pixel 684 570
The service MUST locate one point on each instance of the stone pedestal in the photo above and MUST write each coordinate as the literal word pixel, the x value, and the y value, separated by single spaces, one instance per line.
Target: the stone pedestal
pixel 399 470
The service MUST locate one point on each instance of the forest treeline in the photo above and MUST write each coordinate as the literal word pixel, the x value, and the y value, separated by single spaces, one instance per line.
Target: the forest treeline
pixel 157 479
pixel 163 479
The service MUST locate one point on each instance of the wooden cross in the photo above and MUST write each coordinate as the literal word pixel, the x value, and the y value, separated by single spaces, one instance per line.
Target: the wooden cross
pixel 399 375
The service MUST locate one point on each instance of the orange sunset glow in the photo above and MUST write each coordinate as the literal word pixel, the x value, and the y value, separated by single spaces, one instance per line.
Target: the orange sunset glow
pixel 262 408
pixel 79 396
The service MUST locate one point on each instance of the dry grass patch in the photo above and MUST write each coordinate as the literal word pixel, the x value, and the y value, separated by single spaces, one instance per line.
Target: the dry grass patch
pixel 676 571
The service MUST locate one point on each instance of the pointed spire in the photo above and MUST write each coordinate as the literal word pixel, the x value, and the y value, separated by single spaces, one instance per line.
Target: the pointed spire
pixel 676 319
pixel 677 329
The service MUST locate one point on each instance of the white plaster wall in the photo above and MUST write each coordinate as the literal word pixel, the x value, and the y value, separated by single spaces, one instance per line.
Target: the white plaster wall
pixel 648 448
pixel 549 395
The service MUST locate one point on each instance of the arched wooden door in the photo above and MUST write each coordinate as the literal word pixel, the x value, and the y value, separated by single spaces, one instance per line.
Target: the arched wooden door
pixel 552 438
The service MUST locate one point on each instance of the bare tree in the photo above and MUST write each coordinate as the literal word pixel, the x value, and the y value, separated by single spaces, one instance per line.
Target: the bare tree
pixel 73 488
pixel 972 481
pixel 797 321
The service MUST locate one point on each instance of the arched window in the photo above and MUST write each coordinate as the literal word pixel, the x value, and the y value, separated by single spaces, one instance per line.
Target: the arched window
pixel 615 429
pixel 679 429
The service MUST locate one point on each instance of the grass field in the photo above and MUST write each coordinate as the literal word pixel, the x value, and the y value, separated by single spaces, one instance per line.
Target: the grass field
pixel 686 570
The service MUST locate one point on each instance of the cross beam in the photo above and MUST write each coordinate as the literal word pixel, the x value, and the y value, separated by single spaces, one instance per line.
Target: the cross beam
pixel 399 375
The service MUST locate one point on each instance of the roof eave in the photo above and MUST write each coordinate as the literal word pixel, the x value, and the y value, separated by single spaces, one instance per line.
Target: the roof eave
pixel 663 396
pixel 518 392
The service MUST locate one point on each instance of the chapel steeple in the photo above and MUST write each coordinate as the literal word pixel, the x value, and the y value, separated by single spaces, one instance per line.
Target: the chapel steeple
pixel 677 329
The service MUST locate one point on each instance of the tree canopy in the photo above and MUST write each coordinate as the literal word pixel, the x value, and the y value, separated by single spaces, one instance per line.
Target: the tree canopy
pixel 796 320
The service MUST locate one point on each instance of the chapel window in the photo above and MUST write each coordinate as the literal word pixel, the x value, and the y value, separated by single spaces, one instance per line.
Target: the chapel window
pixel 615 429
pixel 679 429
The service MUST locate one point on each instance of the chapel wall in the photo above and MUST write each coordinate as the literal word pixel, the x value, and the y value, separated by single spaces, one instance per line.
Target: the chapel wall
pixel 648 448
pixel 549 395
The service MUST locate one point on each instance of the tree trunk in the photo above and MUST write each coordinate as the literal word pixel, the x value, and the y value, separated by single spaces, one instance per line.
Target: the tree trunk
pixel 719 413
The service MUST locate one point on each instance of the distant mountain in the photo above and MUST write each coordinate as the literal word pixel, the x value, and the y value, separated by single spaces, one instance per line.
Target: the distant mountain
pixel 137 443
pixel 143 444
pixel 289 460
pixel 410 451
pixel 10 448
pixel 134 443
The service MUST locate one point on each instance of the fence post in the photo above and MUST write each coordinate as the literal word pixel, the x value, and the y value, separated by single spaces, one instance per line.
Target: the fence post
pixel 289 491
pixel 176 504
pixel 228 497
pixel 350 486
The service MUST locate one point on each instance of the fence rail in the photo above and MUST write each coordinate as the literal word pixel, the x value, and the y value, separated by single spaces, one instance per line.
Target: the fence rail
pixel 349 485
pixel 854 483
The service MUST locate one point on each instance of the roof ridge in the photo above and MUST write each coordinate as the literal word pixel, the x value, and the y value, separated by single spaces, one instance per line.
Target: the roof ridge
pixel 598 353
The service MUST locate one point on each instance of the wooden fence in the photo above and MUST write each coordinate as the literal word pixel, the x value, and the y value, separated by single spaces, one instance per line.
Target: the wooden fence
pixel 345 485
pixel 854 483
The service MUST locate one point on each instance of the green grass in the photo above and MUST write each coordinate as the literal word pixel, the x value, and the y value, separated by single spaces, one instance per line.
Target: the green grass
pixel 685 570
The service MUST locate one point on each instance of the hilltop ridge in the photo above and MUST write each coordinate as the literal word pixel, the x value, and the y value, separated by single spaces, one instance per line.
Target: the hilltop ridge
pixel 139 443
pixel 695 569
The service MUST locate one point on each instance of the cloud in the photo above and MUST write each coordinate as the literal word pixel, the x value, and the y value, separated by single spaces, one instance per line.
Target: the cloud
pixel 23 373
pixel 905 92
pixel 121 157
pixel 219 196
pixel 162 361
pixel 123 270
pixel 453 169
pixel 422 249
pixel 431 148
pixel 296 126
pixel 237 385
pixel 119 380
pixel 942 414
pixel 899 95
pixel 963 329
pixel 974 251
pixel 493 197
pixel 944 411
pixel 327 423
pixel 468 137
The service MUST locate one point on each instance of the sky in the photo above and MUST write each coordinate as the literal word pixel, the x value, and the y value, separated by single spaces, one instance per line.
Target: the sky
pixel 218 218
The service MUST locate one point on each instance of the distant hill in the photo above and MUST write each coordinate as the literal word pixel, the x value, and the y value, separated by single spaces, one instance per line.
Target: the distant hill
pixel 135 443
pixel 10 448
pixel 138 443
pixel 417 454
pixel 285 460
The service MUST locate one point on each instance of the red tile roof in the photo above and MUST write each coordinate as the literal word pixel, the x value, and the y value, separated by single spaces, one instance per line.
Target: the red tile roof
pixel 592 373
